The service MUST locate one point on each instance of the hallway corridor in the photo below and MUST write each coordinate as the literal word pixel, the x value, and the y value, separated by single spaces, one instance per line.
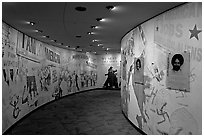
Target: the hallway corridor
pixel 95 112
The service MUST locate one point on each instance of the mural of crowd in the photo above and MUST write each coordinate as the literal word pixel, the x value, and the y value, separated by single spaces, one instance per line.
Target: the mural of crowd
pixel 31 77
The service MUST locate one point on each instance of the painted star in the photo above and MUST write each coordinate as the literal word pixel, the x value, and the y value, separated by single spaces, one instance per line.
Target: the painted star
pixel 194 32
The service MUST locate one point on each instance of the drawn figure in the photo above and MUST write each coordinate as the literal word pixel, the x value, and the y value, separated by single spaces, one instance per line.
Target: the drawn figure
pixel 94 79
pixel 125 100
pixel 32 88
pixel 11 74
pixel 124 69
pixel 5 74
pixel 177 61
pixel 14 102
pixel 45 78
pixel 75 80
pixel 130 45
pixel 57 92
pixel 138 84
pixel 30 93
pixel 82 80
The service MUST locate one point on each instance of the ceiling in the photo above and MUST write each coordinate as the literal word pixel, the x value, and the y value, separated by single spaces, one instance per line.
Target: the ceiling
pixel 63 23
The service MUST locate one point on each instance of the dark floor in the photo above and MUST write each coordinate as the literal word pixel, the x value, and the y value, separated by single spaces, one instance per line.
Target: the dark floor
pixel 95 112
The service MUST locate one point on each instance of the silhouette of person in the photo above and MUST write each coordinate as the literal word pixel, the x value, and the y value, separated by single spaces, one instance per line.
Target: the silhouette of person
pixel 177 61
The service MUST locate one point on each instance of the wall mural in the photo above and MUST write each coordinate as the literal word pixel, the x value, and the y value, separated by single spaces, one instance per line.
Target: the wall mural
pixel 34 73
pixel 105 62
pixel 161 91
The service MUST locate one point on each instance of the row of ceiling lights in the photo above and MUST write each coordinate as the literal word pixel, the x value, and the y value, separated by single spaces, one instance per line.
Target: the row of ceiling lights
pixel 111 8
pixel 43 36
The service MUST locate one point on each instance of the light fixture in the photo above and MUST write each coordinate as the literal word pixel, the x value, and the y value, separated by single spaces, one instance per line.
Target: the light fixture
pixel 99 45
pixel 107 49
pixel 90 33
pixel 31 23
pixel 78 36
pixel 45 36
pixel 95 40
pixel 110 7
pixel 59 43
pixel 80 8
pixel 99 19
pixel 38 30
pixel 53 40
pixel 94 27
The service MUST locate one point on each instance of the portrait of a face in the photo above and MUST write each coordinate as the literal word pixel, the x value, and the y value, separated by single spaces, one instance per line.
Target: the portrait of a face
pixel 177 61
pixel 138 64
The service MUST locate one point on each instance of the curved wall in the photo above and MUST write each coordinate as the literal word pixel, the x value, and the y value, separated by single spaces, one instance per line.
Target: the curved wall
pixel 35 73
pixel 158 96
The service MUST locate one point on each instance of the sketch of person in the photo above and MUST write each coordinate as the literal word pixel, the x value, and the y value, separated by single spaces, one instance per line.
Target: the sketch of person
pixel 177 61
pixel 75 80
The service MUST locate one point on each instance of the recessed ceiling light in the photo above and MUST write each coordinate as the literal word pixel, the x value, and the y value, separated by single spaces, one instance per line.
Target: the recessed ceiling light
pixel 53 40
pixel 38 30
pixel 110 7
pixel 78 36
pixel 100 44
pixel 99 19
pixel 95 40
pixel 107 49
pixel 45 36
pixel 59 43
pixel 90 33
pixel 31 23
pixel 80 8
pixel 94 27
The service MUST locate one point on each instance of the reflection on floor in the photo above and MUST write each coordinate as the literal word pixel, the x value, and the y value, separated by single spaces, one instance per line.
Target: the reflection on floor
pixel 95 112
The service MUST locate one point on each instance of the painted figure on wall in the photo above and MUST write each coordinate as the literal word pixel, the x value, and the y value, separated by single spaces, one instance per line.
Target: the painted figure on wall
pixel 138 83
pixel 124 64
pixel 14 103
pixel 75 80
pixel 45 78
pixel 30 94
pixel 111 79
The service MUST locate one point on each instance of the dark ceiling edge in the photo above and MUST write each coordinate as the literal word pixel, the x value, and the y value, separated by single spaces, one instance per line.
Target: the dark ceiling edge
pixel 54 45
pixel 152 18
pixel 37 39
